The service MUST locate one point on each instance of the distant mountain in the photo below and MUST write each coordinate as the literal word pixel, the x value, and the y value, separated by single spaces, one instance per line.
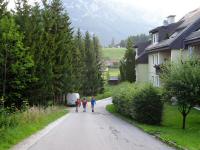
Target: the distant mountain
pixel 106 18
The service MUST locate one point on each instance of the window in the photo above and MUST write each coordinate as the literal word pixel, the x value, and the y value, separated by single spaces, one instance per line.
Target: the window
pixel 157 81
pixel 190 48
pixel 136 52
pixel 152 79
pixel 155 38
pixel 155 59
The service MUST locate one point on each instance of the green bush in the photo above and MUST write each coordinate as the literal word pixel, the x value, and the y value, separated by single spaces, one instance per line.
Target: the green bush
pixel 122 97
pixel 148 106
pixel 140 102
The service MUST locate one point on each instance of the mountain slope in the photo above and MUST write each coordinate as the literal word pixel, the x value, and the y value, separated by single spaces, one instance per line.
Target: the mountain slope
pixel 106 18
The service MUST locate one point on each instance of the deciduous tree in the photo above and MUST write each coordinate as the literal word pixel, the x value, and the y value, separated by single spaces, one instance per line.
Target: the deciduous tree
pixel 181 80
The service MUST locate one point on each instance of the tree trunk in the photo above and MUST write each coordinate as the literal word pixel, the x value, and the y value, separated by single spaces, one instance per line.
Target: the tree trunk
pixel 184 121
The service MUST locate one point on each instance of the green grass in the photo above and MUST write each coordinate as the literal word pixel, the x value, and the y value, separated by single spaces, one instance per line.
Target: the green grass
pixel 114 72
pixel 113 53
pixel 28 123
pixel 108 92
pixel 170 131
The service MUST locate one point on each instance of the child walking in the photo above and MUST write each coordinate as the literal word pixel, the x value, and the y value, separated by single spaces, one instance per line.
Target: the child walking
pixel 78 103
pixel 93 102
pixel 84 103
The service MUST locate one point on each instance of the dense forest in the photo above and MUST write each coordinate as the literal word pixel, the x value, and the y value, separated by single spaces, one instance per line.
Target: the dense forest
pixel 42 57
pixel 136 38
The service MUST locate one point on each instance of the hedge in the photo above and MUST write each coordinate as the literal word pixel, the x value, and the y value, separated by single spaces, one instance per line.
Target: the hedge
pixel 141 102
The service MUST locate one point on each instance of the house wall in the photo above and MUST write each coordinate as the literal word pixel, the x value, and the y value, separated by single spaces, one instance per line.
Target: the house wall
pixel 156 58
pixel 164 57
pixel 194 50
pixel 141 73
pixel 179 54
pixel 173 55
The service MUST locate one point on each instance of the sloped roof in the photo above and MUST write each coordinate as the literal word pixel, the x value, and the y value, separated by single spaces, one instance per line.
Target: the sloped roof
pixel 194 36
pixel 169 28
pixel 142 54
pixel 176 36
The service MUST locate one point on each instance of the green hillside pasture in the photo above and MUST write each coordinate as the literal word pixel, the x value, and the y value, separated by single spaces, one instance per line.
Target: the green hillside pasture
pixel 113 53
pixel 114 72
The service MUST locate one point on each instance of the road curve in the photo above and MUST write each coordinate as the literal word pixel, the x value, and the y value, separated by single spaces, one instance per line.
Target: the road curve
pixel 96 131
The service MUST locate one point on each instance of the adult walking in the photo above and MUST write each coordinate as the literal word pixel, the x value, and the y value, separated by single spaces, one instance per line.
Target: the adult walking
pixel 93 102
pixel 84 103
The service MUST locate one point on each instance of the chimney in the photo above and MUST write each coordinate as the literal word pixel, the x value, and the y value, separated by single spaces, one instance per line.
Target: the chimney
pixel 165 22
pixel 171 19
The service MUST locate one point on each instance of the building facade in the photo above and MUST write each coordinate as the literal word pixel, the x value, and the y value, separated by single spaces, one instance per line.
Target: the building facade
pixel 141 62
pixel 172 41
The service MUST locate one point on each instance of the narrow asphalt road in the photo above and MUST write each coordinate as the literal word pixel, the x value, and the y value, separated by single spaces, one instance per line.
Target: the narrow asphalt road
pixel 96 131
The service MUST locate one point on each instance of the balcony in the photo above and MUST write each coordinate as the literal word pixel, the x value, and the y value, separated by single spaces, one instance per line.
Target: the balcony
pixel 158 68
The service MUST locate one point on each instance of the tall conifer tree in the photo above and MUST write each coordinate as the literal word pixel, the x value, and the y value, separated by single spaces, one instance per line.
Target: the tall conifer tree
pixel 127 65
pixel 15 63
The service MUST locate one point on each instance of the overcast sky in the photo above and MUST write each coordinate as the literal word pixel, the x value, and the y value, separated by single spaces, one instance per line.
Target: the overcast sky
pixel 157 9
pixel 136 16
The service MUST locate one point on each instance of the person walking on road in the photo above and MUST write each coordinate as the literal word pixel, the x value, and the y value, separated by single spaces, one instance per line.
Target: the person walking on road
pixel 93 102
pixel 78 104
pixel 84 103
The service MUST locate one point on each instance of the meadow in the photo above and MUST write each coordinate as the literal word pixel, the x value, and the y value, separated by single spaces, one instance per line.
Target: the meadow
pixel 113 53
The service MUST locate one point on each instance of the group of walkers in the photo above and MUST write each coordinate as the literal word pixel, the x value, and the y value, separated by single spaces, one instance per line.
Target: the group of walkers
pixel 84 104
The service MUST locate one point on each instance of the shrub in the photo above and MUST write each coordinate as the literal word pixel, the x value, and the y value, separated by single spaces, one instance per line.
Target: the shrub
pixel 148 106
pixel 140 102
pixel 122 97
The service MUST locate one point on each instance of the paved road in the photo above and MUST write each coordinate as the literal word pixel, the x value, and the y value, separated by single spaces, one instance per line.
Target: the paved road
pixel 96 131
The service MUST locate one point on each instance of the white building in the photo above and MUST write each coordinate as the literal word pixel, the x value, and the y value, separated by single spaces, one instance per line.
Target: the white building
pixel 172 41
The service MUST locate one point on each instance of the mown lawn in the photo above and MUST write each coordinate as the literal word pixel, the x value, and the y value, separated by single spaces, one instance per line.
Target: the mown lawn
pixel 114 72
pixel 28 123
pixel 170 130
pixel 113 53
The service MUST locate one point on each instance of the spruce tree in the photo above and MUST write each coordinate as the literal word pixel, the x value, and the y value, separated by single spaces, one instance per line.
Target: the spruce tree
pixel 15 63
pixel 93 81
pixel 127 65
pixel 90 66
pixel 130 61
pixel 78 63
pixel 48 36
pixel 32 24
pixel 98 60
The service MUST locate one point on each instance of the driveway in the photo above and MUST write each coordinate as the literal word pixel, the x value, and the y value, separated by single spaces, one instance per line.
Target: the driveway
pixel 94 131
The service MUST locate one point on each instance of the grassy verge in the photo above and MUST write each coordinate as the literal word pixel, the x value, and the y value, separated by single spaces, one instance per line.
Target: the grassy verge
pixel 170 131
pixel 27 123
